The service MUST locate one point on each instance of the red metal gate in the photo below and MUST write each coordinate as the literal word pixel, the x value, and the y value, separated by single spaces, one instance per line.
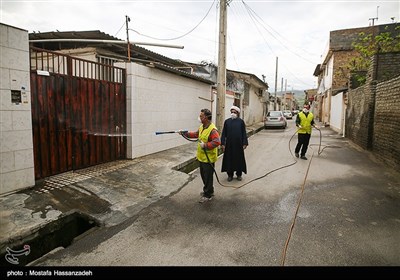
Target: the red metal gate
pixel 78 112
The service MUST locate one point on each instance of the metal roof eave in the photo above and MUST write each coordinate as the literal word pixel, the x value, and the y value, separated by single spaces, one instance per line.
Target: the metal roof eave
pixel 179 72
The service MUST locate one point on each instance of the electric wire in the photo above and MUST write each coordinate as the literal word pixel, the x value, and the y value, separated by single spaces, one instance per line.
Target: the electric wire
pixel 254 15
pixel 255 18
pixel 181 36
pixel 120 29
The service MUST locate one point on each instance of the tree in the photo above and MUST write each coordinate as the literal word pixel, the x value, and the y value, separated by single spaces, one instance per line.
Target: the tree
pixel 368 45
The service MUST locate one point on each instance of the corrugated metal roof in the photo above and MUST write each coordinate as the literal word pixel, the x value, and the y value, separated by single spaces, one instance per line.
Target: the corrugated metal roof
pixel 180 72
pixel 137 53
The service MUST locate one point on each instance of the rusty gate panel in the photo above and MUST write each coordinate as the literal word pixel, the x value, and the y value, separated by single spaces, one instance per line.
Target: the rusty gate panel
pixel 78 121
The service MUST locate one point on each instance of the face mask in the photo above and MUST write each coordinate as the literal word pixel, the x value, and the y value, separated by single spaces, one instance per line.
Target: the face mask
pixel 198 118
pixel 233 115
pixel 305 110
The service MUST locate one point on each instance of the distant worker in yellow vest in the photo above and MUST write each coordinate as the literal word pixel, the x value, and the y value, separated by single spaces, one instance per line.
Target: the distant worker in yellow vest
pixel 304 122
pixel 207 152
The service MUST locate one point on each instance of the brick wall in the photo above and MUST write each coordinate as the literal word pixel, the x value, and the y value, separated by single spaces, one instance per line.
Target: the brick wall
pixel 373 115
pixel 341 68
pixel 357 116
pixel 342 39
pixel 386 143
pixel 388 66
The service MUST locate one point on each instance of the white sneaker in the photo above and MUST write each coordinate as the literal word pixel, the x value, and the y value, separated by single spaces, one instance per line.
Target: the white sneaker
pixel 202 194
pixel 204 199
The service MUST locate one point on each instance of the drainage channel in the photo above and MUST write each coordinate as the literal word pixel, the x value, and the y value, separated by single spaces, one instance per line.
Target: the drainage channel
pixel 59 233
pixel 187 166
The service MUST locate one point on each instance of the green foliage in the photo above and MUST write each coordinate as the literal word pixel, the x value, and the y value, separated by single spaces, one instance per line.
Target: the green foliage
pixel 368 45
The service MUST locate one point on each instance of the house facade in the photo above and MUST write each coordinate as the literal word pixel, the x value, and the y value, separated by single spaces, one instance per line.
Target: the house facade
pixel 334 73
pixel 158 94
pixel 249 93
pixel 244 90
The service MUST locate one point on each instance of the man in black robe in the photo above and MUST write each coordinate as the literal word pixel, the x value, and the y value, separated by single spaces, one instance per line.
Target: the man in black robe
pixel 233 143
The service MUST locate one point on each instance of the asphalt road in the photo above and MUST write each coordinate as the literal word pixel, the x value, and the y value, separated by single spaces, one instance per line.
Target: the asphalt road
pixel 338 208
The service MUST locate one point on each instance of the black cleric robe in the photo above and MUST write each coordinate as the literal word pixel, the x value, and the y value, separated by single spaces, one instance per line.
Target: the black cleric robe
pixel 233 137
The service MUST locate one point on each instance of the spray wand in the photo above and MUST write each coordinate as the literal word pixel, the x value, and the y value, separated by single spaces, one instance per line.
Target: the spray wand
pixel 181 132
pixel 172 131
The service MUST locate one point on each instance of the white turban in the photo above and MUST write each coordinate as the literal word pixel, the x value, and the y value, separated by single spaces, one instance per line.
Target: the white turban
pixel 237 109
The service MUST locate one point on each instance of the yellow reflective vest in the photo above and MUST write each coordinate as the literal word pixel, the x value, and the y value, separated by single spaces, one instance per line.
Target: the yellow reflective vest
pixel 203 137
pixel 305 122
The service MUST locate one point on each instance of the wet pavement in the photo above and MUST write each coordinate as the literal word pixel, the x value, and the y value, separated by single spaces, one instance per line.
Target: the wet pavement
pixel 108 195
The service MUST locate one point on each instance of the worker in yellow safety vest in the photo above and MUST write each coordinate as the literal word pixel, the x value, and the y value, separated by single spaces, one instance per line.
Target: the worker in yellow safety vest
pixel 304 122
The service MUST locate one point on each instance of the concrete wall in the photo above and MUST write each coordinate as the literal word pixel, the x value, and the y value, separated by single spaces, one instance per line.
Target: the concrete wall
pixel 16 144
pixel 161 101
pixel 324 92
pixel 229 101
pixel 254 112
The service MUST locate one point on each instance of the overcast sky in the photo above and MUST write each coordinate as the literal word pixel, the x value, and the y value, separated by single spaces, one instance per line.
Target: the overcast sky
pixel 297 32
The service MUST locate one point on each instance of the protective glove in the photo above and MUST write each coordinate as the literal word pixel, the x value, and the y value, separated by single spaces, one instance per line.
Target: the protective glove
pixel 202 145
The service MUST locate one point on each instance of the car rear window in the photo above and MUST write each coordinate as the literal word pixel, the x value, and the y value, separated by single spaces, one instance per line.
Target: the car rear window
pixel 274 114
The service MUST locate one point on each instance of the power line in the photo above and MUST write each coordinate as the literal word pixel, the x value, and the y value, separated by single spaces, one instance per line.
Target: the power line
pixel 252 12
pixel 175 38
pixel 253 16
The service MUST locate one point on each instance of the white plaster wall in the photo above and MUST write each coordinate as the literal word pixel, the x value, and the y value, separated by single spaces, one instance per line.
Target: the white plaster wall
pixel 328 74
pixel 254 112
pixel 161 101
pixel 337 112
pixel 16 144
pixel 229 100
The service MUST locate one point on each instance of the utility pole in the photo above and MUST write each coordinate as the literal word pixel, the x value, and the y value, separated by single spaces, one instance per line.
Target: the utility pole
pixel 127 19
pixel 276 81
pixel 221 79
pixel 283 94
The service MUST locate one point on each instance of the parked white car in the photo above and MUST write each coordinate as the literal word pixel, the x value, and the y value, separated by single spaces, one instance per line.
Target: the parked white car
pixel 275 119
pixel 288 114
